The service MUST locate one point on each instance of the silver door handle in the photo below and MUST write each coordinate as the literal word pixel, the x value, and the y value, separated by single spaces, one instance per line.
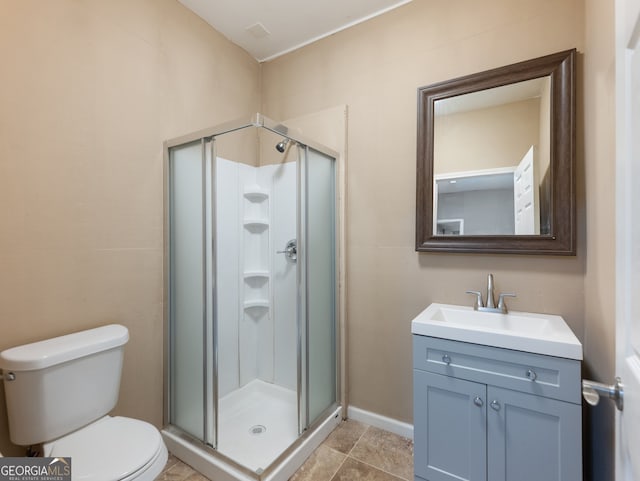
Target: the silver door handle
pixel 591 392
pixel 495 405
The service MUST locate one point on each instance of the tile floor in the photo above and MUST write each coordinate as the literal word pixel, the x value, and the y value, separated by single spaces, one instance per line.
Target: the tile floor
pixel 354 451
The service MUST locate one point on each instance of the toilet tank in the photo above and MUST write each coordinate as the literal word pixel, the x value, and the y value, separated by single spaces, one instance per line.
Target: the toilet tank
pixel 56 386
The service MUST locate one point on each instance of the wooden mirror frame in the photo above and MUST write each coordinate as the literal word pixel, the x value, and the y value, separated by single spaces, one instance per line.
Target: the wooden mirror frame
pixel 562 237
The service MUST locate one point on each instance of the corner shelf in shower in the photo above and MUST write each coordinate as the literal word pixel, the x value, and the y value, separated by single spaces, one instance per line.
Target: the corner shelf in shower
pixel 256 223
pixel 257 278
pixel 255 194
pixel 256 274
pixel 263 303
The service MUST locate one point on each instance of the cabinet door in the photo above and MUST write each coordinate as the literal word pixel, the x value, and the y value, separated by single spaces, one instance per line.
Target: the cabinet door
pixel 449 428
pixel 532 438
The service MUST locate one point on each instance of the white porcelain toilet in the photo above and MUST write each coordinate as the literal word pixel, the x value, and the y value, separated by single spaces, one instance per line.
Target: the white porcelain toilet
pixel 59 392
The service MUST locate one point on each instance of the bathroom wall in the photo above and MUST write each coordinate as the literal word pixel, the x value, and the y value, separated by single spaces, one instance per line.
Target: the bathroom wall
pixel 466 141
pixel 267 335
pixel 283 180
pixel 260 342
pixel 598 204
pixel 544 146
pixel 228 247
pixel 89 92
pixel 375 69
pixel 472 207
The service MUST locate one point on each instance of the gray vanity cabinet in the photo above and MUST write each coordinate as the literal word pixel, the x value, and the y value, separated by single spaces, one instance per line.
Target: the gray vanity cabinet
pixel 533 438
pixel 449 434
pixel 491 414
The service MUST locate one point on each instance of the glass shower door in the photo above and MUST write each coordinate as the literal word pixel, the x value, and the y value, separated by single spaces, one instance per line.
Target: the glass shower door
pixel 187 300
pixel 318 284
pixel 191 304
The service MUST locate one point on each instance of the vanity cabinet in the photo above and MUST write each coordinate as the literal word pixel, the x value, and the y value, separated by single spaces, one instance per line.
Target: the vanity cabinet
pixel 484 413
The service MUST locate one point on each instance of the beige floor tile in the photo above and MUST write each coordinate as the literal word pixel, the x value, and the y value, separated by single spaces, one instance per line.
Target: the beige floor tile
pixel 176 472
pixel 353 470
pixel 321 465
pixel 344 437
pixel 171 461
pixel 197 477
pixel 386 451
pixel 353 452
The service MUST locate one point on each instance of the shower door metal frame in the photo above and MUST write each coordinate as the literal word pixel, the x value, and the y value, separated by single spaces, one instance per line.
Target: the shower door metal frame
pixel 304 421
pixel 211 354
pixel 208 135
pixel 301 294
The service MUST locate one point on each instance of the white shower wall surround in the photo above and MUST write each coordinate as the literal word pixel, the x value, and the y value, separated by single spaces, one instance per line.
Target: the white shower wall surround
pixel 255 217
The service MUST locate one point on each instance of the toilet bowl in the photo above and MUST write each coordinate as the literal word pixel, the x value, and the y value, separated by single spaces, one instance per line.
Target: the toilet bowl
pixel 112 448
pixel 59 393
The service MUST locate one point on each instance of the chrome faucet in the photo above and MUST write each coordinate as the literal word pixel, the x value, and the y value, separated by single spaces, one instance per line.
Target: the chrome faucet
pixel 490 306
pixel 491 301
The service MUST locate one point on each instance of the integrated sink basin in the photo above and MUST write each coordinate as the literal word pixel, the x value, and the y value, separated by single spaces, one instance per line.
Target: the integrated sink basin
pixel 522 331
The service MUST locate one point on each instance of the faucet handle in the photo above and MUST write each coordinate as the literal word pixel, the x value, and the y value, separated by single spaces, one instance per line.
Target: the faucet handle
pixel 478 302
pixel 501 304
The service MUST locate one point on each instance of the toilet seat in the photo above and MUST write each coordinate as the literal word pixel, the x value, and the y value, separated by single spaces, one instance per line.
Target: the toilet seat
pixel 112 448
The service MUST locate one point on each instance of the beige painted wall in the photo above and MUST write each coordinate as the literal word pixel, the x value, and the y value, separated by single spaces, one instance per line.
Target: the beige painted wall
pixel 545 129
pixel 89 92
pixel 375 68
pixel 598 200
pixel 488 138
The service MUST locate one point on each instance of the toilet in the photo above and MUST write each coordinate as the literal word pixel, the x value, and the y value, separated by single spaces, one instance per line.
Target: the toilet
pixel 59 393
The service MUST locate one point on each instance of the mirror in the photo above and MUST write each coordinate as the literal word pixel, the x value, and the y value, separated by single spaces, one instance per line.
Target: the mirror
pixel 496 156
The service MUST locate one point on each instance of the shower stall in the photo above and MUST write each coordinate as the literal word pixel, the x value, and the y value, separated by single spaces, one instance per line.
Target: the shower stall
pixel 252 299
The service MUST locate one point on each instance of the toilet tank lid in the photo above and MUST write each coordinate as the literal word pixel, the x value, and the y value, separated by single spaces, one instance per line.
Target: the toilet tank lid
pixel 42 354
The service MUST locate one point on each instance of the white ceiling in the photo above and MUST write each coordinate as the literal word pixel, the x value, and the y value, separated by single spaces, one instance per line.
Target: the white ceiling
pixel 269 28
pixel 452 185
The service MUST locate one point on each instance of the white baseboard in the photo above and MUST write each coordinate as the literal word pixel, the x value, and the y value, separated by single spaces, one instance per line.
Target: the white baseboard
pixel 382 422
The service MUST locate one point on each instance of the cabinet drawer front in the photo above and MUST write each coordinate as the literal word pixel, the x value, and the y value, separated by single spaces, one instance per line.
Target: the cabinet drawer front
pixel 548 376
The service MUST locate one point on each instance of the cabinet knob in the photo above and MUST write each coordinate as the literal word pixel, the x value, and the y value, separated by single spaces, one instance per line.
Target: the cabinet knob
pixel 446 359
pixel 532 375
pixel 495 405
pixel 478 401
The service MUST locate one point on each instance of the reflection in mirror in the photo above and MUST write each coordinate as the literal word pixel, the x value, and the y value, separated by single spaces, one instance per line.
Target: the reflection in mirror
pixel 496 160
pixel 491 161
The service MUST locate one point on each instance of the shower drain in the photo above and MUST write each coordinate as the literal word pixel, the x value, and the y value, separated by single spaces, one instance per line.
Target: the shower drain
pixel 257 429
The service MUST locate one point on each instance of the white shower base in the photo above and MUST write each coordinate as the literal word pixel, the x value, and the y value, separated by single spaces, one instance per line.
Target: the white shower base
pixel 257 423
pixel 256 404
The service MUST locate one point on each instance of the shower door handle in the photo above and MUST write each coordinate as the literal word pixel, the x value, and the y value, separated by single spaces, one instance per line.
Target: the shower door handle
pixel 290 251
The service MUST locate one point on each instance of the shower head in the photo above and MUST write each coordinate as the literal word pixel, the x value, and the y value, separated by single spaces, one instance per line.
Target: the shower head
pixel 282 145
